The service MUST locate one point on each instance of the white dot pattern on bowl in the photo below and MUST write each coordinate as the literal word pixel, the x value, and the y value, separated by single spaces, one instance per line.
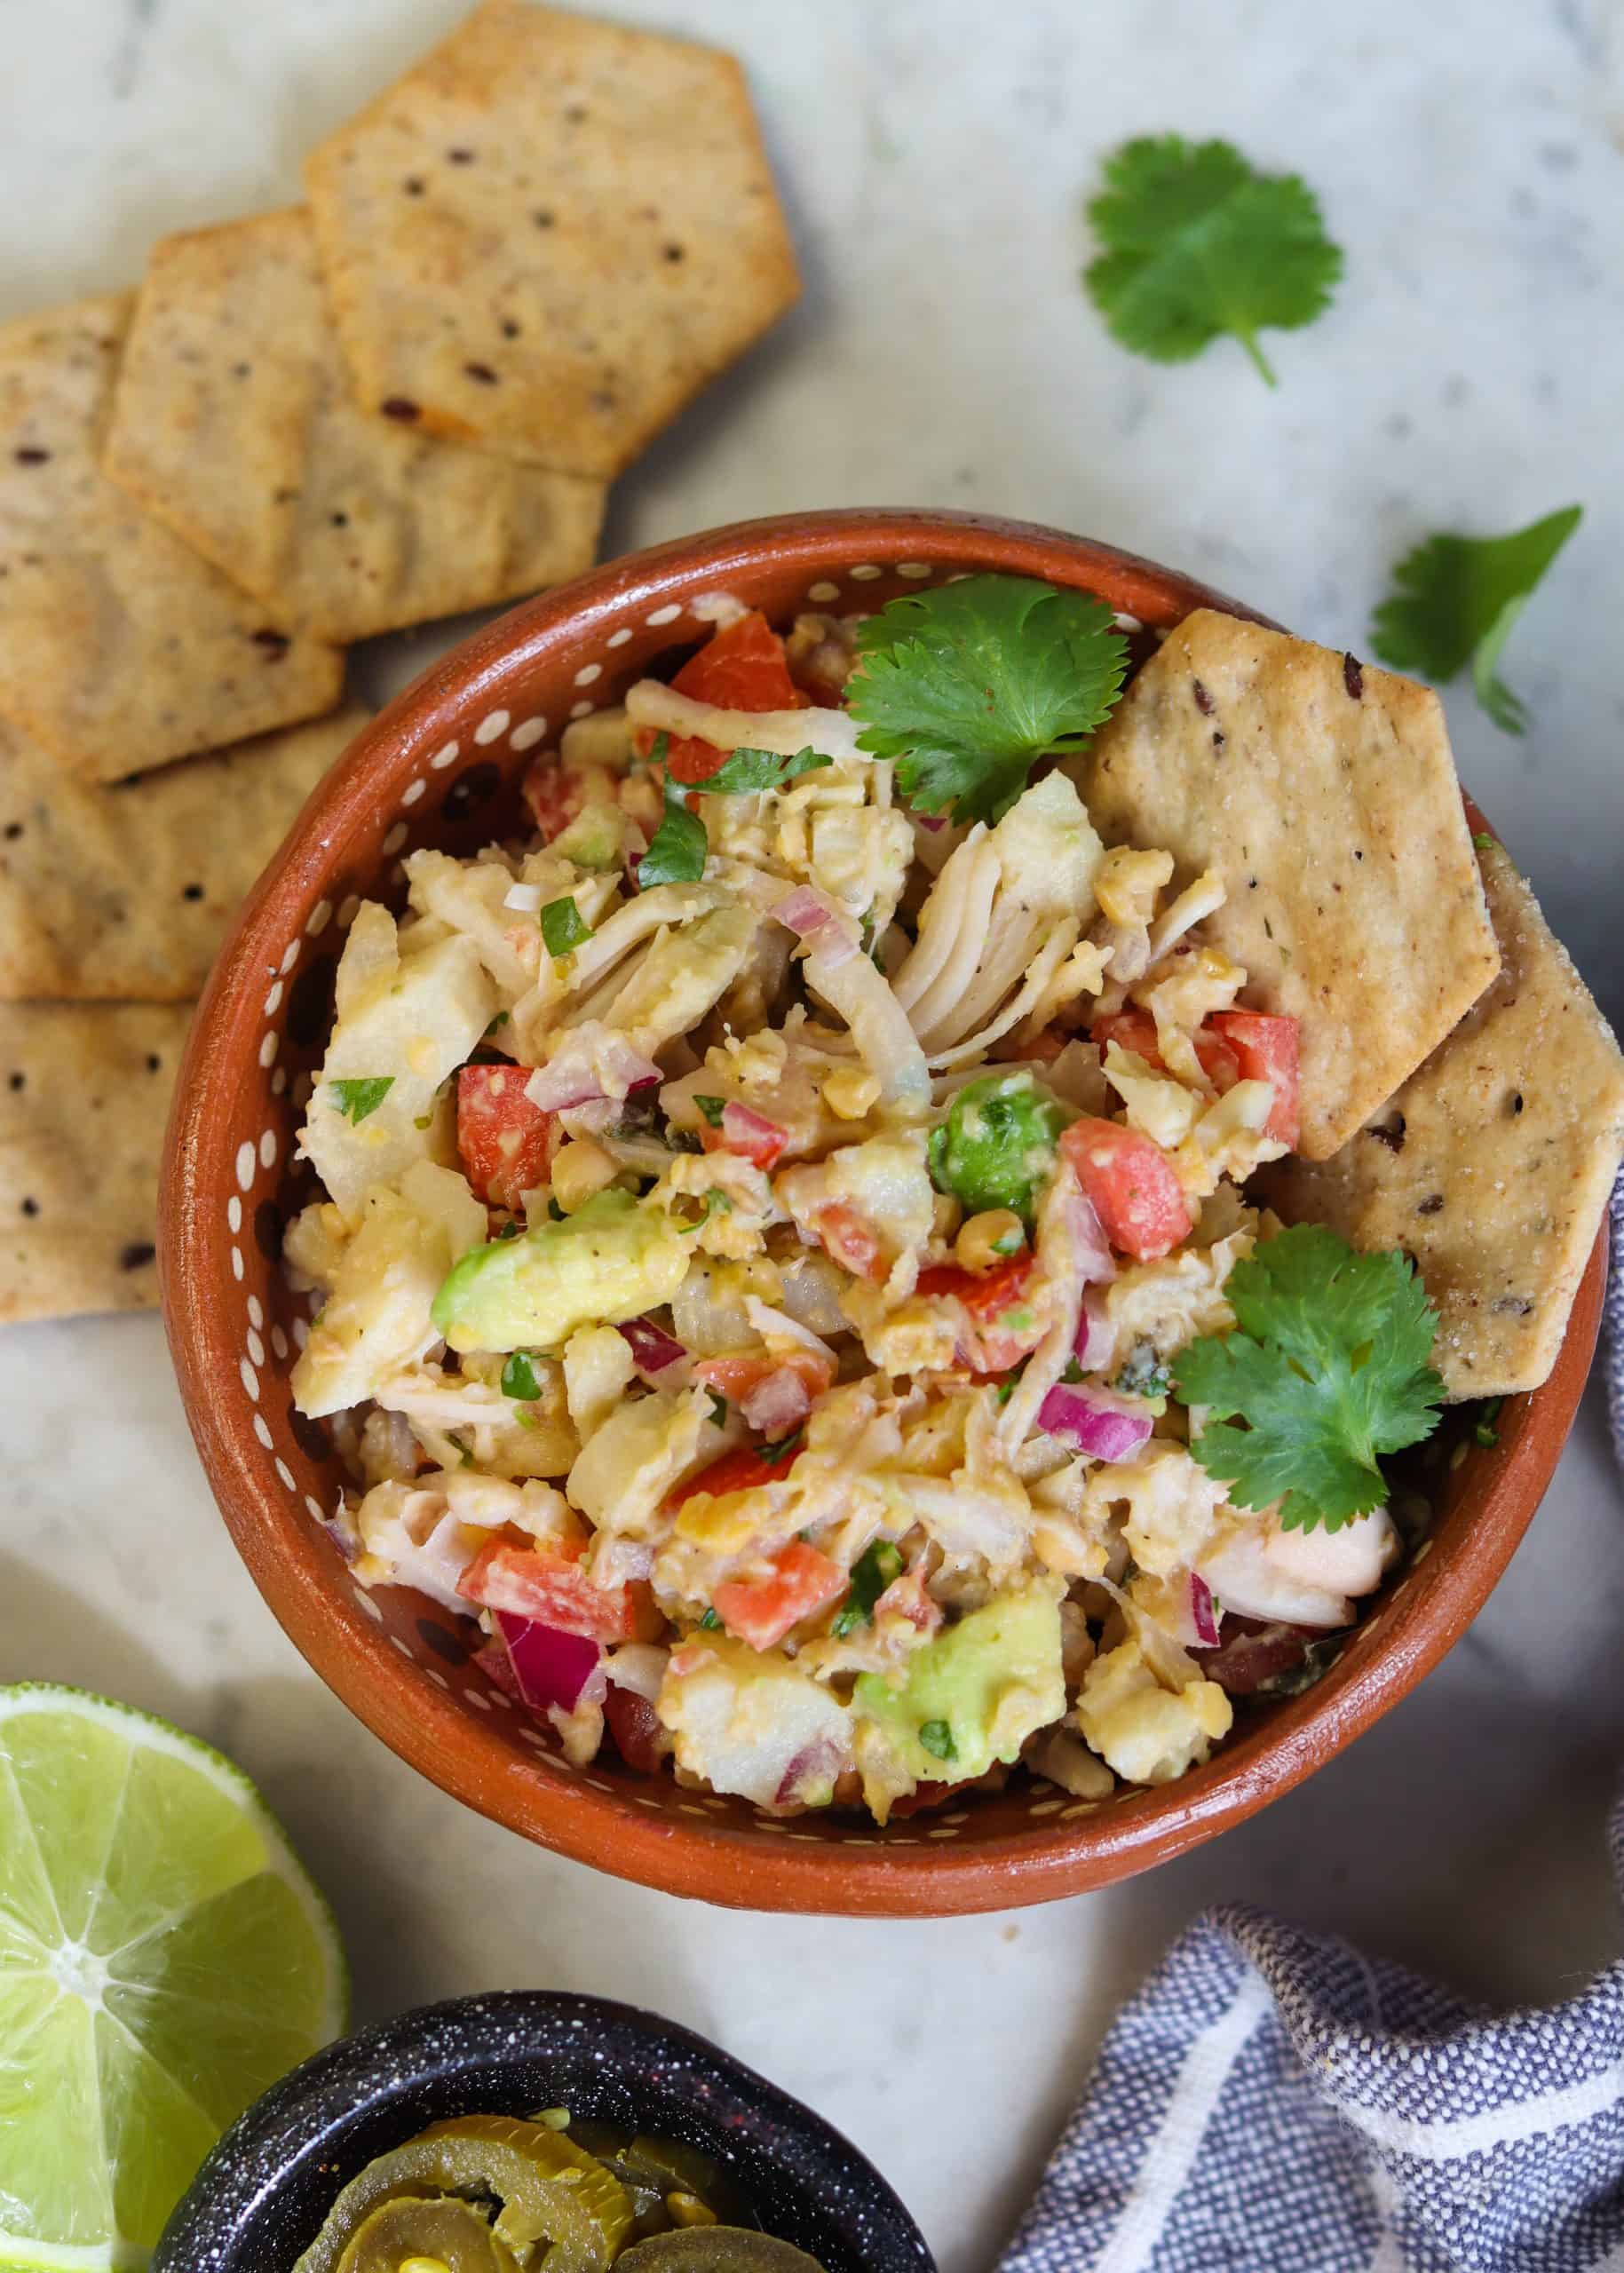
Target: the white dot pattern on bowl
pixel 253 1155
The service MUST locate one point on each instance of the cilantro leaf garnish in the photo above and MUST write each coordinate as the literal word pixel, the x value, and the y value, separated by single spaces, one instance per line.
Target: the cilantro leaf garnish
pixel 357 1099
pixel 1327 1368
pixel 677 854
pixel 872 1572
pixel 713 1108
pixel 1197 242
pixel 564 928
pixel 1455 600
pixel 966 687
pixel 716 1203
pixel 518 1378
pixel 937 1737
pixel 749 771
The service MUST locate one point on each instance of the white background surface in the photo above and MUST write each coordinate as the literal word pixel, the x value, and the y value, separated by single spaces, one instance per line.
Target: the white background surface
pixel 1469 156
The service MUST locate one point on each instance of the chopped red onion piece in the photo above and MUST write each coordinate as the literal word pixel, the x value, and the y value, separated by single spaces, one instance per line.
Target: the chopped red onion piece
pixel 1095 1423
pixel 1094 1255
pixel 931 822
pixel 572 1078
pixel 1203 1614
pixel 652 1346
pixel 552 1668
pixel 824 929
pixel 1096 1336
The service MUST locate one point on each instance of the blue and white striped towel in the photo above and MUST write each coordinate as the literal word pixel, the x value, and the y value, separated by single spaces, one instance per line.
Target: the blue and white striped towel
pixel 1272 2102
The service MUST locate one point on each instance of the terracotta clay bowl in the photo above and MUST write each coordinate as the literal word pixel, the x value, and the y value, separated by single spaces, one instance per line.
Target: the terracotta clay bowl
pixel 441 767
pixel 260 2198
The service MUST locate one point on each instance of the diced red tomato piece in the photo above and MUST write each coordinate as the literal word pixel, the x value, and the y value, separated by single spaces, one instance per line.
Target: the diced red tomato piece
pixel 1135 1029
pixel 1266 1050
pixel 639 1735
pixel 853 1243
pixel 748 1134
pixel 1131 1184
pixel 738 1471
pixel 508 1574
pixel 736 1372
pixel 925 1796
pixel 988 1298
pixel 761 1611
pixel 743 667
pixel 505 1142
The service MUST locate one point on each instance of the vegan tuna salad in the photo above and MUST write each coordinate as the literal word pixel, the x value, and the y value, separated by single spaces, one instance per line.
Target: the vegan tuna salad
pixel 791 1269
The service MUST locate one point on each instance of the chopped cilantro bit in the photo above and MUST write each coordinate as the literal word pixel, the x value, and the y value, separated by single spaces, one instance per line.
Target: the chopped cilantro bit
pixel 713 1108
pixel 1484 840
pixel 710 1623
pixel 718 1409
pixel 872 1572
pixel 1327 1368
pixel 1454 602
pixel 677 854
pixel 967 686
pixel 1072 1371
pixel 936 1739
pixel 508 1231
pixel 749 770
pixel 1006 1386
pixel 773 1453
pixel 357 1099
pixel 423 1120
pixel 1196 242
pixel 518 1378
pixel 716 1203
pixel 1485 1432
pixel 464 1455
pixel 555 1212
pixel 564 929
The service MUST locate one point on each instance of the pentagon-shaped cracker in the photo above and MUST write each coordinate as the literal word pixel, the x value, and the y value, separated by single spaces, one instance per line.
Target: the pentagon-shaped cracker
pixel 549 233
pixel 120 648
pixel 234 422
pixel 1492 1164
pixel 1324 793
pixel 126 892
pixel 85 1097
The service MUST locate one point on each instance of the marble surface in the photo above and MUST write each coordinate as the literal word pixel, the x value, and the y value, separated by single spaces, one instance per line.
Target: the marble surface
pixel 1470 158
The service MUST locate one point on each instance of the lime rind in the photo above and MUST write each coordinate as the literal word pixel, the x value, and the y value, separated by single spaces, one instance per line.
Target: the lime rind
pixel 85 1885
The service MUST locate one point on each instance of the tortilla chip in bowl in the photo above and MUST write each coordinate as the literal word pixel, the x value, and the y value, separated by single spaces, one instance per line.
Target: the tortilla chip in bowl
pixel 442 767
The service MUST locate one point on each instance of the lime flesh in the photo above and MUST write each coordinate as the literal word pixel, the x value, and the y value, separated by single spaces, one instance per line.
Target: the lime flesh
pixel 164 1959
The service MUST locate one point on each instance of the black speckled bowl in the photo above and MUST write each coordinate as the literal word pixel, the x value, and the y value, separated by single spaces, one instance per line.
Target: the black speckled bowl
pixel 261 2198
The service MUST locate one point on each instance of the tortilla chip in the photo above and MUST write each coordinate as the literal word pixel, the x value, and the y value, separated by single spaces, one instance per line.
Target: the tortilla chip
pixel 1324 794
pixel 234 422
pixel 85 1096
pixel 549 233
pixel 119 648
pixel 1492 1165
pixel 125 894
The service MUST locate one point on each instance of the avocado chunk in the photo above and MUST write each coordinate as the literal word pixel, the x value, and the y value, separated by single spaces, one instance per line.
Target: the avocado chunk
pixel 975 1694
pixel 997 1145
pixel 611 1260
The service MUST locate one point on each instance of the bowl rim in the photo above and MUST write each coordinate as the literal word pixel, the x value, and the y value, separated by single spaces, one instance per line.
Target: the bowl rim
pixel 714 1861
pixel 289 2129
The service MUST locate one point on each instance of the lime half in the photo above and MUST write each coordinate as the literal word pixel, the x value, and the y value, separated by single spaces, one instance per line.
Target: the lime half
pixel 163 1958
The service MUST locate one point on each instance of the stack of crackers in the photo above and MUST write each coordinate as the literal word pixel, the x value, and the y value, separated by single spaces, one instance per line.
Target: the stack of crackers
pixel 400 401
pixel 1462 1097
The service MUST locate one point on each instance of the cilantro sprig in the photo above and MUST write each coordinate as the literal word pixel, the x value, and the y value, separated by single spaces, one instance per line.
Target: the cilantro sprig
pixel 872 1572
pixel 357 1099
pixel 1327 1369
pixel 1197 242
pixel 1455 601
pixel 965 687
